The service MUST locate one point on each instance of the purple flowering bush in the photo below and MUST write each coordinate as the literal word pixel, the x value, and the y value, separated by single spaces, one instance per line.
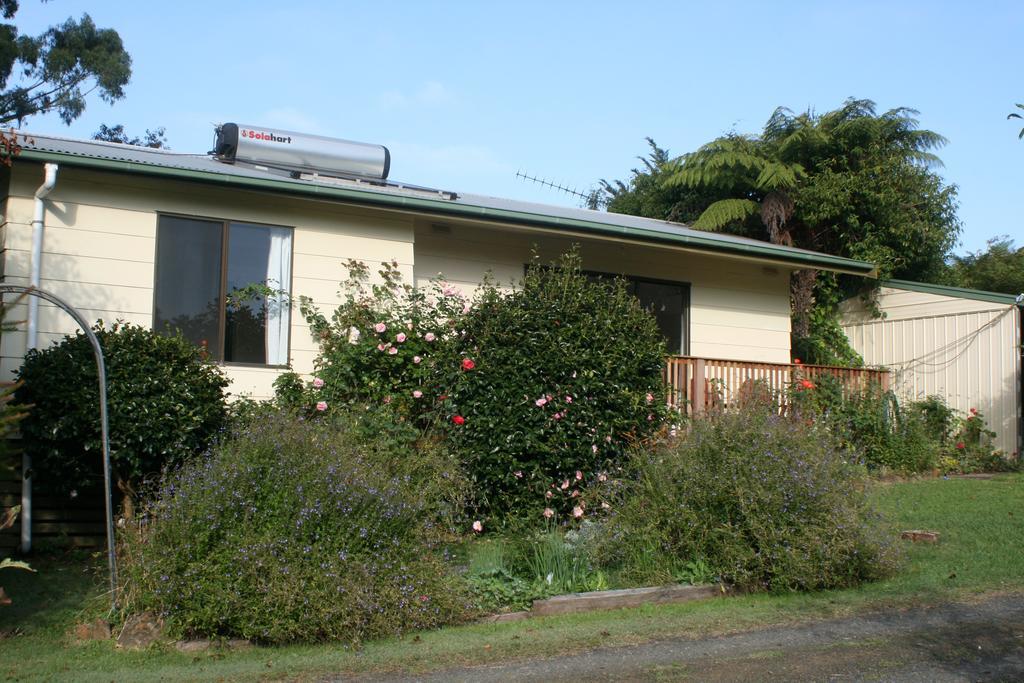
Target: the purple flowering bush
pixel 766 502
pixel 301 530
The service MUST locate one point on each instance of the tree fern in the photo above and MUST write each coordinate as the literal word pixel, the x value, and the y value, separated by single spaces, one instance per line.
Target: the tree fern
pixel 726 212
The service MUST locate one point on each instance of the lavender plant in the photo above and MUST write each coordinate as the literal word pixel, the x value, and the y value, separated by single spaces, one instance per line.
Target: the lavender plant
pixel 766 502
pixel 301 530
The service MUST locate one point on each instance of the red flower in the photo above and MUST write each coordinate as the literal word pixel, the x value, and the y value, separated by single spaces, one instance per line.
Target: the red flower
pixel 458 419
pixel 796 361
pixel 807 384
pixel 468 364
pixel 974 411
pixel 960 446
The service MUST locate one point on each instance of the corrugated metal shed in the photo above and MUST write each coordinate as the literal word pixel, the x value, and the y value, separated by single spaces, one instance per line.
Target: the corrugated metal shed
pixel 963 345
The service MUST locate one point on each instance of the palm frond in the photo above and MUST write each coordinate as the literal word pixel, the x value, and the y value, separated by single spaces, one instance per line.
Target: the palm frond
pixel 724 212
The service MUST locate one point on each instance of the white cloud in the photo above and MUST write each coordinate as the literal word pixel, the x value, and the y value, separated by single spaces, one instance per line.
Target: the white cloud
pixel 427 94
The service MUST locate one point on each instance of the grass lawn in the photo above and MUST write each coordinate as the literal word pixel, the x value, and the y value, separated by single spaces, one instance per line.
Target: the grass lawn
pixel 981 522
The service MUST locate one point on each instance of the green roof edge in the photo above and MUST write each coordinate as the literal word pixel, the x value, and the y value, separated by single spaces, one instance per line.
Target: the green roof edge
pixel 439 207
pixel 946 290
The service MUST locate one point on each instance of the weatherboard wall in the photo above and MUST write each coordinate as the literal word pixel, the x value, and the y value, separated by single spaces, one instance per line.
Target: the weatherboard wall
pixel 966 351
pixel 739 309
pixel 100 244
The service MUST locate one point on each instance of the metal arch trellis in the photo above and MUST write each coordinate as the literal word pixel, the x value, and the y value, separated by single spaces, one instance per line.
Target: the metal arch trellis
pixel 102 372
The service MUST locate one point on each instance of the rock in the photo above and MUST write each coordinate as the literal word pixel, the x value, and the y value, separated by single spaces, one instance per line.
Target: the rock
pixel 198 645
pixel 237 644
pixel 140 631
pixel 917 535
pixel 98 629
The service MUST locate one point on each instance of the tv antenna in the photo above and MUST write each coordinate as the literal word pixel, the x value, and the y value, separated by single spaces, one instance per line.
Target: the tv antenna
pixel 553 185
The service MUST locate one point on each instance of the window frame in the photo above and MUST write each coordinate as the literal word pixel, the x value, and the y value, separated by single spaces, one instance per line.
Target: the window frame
pixel 225 227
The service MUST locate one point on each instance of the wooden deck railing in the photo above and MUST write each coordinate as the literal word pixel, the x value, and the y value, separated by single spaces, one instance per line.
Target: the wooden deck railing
pixel 696 384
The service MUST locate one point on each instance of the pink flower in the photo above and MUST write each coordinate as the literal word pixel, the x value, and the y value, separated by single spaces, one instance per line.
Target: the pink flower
pixel 593 447
pixel 579 476
pixel 568 399
pixel 602 477
pixel 565 485
pixel 650 418
pixel 392 351
pixel 408 325
pixel 380 328
pixel 548 494
pixel 466 308
pixel 556 416
pixel 381 347
pixel 448 290
pixel 575 494
pixel 321 406
pixel 540 402
pixel 417 360
pixel 478 526
pixel 417 393
pixel 387 400
pixel 318 383
pixel 577 512
pixel 429 336
pixel 424 598
pixel 400 337
pixel 468 364
pixel 650 397
pixel 608 439
pixel 518 474
pixel 548 513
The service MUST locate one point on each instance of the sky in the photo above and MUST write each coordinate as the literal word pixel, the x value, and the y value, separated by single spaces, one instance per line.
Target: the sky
pixel 467 94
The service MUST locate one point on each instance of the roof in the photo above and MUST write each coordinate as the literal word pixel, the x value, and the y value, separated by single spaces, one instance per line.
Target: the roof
pixel 956 292
pixel 203 168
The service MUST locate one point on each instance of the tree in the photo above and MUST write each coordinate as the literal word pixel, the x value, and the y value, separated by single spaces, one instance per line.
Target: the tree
pixel 849 182
pixel 156 139
pixel 1000 268
pixel 58 69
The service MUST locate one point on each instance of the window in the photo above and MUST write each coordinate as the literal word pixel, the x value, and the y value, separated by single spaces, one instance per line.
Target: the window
pixel 200 263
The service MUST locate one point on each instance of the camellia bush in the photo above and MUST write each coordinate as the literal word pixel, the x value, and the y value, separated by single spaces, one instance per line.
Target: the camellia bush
pixel 165 400
pixel 548 386
pixel 765 502
pixel 540 390
pixel 380 346
pixel 307 530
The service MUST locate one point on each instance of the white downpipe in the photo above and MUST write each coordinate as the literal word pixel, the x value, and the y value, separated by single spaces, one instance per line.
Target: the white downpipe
pixel 38 225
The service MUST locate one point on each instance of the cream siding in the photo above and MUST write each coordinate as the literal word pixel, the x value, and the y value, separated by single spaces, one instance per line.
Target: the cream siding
pixel 964 350
pixel 100 243
pixel 99 254
pixel 739 310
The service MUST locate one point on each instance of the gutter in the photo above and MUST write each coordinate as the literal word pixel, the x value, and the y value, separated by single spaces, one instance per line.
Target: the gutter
pixel 35 275
pixel 437 207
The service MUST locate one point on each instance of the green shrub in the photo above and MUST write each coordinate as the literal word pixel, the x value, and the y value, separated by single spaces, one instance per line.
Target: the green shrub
pixel 872 422
pixel 302 530
pixel 970 447
pixel 165 402
pixel 762 501
pixel 550 383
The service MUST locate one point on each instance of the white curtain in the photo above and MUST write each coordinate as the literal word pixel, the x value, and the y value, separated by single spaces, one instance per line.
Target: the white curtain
pixel 279 278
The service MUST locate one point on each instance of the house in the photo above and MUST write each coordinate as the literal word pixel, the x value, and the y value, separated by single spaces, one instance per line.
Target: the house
pixel 963 345
pixel 157 238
